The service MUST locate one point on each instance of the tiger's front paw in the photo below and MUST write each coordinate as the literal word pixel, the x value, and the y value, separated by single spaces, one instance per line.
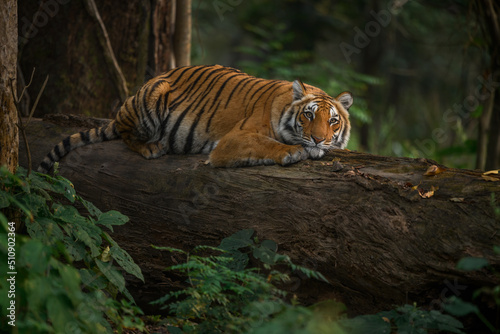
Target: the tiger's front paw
pixel 292 155
pixel 315 152
pixel 152 150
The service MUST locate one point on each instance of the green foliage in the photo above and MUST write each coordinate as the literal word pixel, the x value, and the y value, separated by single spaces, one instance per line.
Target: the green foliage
pixel 472 263
pixel 220 299
pixel 224 296
pixel 240 244
pixel 414 88
pixel 51 294
pixel 269 57
pixel 410 319
pixel 459 308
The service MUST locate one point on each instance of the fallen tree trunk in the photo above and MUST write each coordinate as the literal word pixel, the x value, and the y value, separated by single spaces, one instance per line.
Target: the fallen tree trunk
pixel 357 219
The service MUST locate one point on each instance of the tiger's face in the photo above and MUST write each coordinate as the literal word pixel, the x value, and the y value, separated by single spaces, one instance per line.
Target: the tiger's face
pixel 318 122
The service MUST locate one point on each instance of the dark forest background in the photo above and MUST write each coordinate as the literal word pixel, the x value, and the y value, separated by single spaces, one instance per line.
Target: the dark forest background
pixel 423 73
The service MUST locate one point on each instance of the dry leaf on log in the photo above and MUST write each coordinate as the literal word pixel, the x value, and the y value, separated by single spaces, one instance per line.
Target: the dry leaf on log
pixel 486 176
pixel 434 170
pixel 427 194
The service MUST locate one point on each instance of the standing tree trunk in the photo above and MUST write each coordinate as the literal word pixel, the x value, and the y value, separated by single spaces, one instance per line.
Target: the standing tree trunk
pixel 84 76
pixel 487 13
pixel 9 136
pixel 484 130
pixel 182 34
pixel 493 152
pixel 161 55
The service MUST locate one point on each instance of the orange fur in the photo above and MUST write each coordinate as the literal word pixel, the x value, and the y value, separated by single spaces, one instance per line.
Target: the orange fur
pixel 239 119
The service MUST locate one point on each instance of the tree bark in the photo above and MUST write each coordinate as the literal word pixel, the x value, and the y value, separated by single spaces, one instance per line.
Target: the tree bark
pixel 484 129
pixel 487 13
pixel 161 55
pixel 182 34
pixel 356 220
pixel 81 80
pixel 9 135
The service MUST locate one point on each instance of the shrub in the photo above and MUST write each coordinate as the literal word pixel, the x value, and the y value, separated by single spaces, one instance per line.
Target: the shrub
pixel 51 294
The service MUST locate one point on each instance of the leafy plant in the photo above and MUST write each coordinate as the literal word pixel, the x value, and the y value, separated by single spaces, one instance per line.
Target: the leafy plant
pixel 223 295
pixel 460 308
pixel 52 295
pixel 240 244
pixel 403 319
pixel 220 299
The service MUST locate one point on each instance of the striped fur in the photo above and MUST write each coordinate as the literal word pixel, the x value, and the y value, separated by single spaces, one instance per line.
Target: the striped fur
pixel 239 119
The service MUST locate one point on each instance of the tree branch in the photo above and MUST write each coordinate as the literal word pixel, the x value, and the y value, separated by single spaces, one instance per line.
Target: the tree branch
pixel 109 56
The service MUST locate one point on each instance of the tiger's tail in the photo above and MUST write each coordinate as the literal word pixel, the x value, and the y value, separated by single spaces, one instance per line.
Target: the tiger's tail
pixel 92 136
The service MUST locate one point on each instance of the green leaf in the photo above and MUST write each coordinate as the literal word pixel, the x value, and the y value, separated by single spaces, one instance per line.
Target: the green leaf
pixel 76 250
pixel 270 245
pixel 35 256
pixel 264 254
pixel 111 218
pixel 82 235
pixel 366 324
pixel 125 261
pixel 457 307
pixel 44 229
pixel 38 289
pixel 91 208
pixel 496 249
pixel 67 214
pixel 174 330
pixel 21 206
pixel 39 182
pixel 4 200
pixel 452 325
pixel 64 187
pixel 170 249
pixel 238 240
pixel 239 260
pixel 61 314
pixel 92 279
pixel 71 280
pixel 472 263
pixel 4 222
pixel 113 275
pixel 33 202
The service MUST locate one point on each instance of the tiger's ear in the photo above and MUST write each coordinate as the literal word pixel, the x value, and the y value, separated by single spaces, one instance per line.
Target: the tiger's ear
pixel 345 99
pixel 299 90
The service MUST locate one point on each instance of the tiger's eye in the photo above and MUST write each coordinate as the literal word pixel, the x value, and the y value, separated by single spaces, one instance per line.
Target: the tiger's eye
pixel 308 114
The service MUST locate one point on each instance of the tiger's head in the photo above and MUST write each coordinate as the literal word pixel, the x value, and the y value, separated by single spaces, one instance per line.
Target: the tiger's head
pixel 317 121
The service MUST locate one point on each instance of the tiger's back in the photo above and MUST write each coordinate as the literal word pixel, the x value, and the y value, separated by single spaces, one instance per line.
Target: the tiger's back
pixel 191 109
pixel 200 106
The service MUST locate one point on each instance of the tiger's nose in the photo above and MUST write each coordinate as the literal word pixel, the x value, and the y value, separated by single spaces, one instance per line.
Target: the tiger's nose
pixel 316 139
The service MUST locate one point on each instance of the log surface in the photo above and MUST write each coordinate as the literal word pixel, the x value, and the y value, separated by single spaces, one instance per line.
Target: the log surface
pixel 352 216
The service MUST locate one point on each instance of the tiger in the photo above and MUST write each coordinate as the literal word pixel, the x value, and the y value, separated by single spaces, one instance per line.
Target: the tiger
pixel 236 118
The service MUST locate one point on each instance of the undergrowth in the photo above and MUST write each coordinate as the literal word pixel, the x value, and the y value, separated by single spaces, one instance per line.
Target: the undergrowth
pixel 68 275
pixel 67 269
pixel 224 296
